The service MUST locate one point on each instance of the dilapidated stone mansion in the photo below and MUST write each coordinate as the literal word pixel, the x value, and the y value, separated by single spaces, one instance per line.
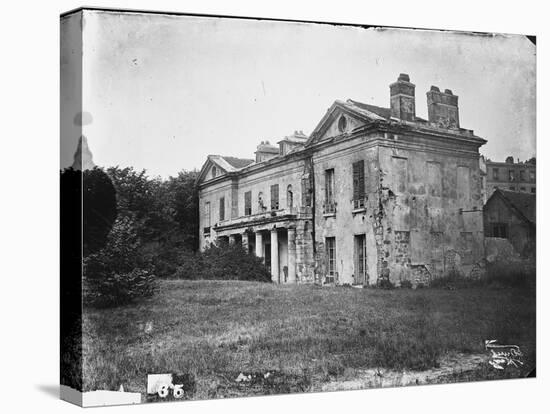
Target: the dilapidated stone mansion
pixel 373 193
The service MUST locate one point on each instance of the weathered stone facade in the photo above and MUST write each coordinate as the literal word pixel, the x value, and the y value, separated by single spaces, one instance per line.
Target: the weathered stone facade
pixel 373 193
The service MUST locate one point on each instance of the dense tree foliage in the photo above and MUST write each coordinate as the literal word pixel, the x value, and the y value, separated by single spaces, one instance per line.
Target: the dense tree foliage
pixel 99 209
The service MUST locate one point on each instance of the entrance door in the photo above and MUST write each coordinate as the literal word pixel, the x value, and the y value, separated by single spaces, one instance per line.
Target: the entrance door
pixel 360 259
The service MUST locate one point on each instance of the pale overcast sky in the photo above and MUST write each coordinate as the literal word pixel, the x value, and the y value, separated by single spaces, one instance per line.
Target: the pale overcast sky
pixel 165 91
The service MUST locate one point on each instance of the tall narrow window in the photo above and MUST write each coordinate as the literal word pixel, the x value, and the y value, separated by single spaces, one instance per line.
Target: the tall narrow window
pixel 522 175
pixel 289 196
pixel 360 259
pixel 331 258
pixel 261 205
pixel 275 197
pixel 329 206
pixel 222 208
pixel 248 203
pixel 511 175
pixel 358 184
pixel 214 172
pixel 495 173
pixel 207 214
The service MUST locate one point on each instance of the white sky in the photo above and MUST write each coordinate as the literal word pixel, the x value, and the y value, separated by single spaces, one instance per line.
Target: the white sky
pixel 163 92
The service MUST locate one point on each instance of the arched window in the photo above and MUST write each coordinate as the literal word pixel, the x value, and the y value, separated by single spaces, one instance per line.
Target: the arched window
pixel 289 196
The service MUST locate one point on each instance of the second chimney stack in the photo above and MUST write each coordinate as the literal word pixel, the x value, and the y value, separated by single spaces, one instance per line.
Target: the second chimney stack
pixel 442 108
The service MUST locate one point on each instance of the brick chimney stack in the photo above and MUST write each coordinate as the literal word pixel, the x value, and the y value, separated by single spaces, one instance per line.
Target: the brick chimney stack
pixel 442 108
pixel 402 98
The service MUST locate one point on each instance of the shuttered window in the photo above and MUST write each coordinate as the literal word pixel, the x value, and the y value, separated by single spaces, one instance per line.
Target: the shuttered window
pixel 275 197
pixel 359 180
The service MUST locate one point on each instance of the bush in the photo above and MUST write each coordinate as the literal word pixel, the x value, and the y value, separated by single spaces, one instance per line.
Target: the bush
pixel 119 289
pixel 405 284
pixel 384 284
pixel 223 261
pixel 119 273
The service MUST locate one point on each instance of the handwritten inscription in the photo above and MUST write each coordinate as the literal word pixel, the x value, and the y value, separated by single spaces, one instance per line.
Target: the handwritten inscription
pixel 502 356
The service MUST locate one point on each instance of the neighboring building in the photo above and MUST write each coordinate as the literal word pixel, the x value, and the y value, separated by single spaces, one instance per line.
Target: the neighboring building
pixel 512 215
pixel 519 176
pixel 373 193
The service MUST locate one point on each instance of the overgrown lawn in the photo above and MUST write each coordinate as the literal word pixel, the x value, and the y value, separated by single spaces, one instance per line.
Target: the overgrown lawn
pixel 306 334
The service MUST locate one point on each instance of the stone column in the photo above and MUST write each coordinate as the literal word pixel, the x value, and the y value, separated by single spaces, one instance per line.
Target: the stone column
pixel 291 255
pixel 231 239
pixel 259 247
pixel 245 241
pixel 274 256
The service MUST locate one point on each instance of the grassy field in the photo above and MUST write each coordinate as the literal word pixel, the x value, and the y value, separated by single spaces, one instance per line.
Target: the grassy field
pixel 303 335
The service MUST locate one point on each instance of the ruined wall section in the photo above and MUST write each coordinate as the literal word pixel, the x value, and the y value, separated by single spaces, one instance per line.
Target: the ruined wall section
pixel 429 218
pixel 346 223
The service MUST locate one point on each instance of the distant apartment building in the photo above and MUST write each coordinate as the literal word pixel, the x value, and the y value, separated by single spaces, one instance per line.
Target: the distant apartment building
pixel 510 176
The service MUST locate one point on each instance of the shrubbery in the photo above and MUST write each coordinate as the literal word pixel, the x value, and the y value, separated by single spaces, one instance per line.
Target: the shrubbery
pixel 496 275
pixel 118 273
pixel 222 262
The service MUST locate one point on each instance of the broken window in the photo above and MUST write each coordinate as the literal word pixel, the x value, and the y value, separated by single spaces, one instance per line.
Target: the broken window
pixel 248 203
pixel 532 175
pixel 499 230
pixel 495 173
pixel 522 175
pixel 330 243
pixel 275 197
pixel 511 175
pixel 359 184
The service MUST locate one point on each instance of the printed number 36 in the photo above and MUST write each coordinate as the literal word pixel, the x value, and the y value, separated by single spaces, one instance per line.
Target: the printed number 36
pixel 164 390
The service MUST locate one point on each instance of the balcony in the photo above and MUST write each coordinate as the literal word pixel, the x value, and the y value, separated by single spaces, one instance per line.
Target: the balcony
pixel 267 216
pixel 359 205
pixel 329 208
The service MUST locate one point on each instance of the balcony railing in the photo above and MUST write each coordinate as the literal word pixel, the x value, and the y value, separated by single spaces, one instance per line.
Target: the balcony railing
pixel 329 207
pixel 360 203
pixel 264 215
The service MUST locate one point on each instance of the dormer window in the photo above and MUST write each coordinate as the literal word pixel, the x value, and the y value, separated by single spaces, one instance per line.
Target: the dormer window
pixel 342 123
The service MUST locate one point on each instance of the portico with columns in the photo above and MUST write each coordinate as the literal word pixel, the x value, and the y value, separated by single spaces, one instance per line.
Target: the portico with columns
pixel 271 237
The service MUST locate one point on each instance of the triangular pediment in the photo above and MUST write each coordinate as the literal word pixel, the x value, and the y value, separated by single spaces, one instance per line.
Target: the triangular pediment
pixel 342 118
pixel 210 170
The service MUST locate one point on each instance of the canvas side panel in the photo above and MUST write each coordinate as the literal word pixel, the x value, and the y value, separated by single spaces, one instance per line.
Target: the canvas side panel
pixel 71 208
